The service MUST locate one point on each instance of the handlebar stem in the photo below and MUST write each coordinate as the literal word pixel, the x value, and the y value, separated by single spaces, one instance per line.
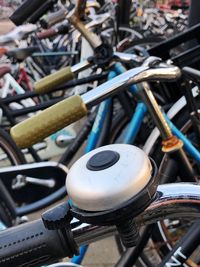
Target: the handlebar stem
pixel 133 76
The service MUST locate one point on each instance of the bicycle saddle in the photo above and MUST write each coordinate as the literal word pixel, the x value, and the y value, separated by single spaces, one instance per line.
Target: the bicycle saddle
pixel 20 54
pixel 4 68
pixel 17 34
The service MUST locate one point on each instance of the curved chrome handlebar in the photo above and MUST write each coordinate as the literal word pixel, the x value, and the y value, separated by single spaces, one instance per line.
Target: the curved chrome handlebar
pixel 179 200
pixel 133 76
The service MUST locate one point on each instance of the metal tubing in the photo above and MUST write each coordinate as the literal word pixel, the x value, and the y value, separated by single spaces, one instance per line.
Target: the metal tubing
pixel 135 123
pixel 178 200
pixel 130 255
pixel 155 111
pixel 80 66
pixel 184 247
pixel 187 144
pixel 92 38
pixel 128 78
pixel 186 170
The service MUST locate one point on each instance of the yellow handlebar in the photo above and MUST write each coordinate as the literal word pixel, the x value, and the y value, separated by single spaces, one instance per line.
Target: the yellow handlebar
pixel 50 82
pixel 47 122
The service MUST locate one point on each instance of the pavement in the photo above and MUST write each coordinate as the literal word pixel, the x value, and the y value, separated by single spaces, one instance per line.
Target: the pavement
pixel 6 26
pixel 102 254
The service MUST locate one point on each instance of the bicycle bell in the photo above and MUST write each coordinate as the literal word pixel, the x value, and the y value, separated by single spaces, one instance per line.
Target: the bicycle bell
pixel 110 186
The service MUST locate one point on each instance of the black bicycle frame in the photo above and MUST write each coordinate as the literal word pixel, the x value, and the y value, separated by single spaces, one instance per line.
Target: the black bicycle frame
pixel 184 247
pixel 17 98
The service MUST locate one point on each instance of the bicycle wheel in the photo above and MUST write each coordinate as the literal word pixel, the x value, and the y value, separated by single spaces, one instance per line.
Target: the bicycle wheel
pixel 142 44
pixel 6 219
pixel 114 37
pixel 9 152
pixel 9 155
pixel 167 233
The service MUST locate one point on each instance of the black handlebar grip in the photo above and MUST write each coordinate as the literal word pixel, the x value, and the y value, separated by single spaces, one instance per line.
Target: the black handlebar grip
pixel 25 10
pixel 31 244
pixel 41 11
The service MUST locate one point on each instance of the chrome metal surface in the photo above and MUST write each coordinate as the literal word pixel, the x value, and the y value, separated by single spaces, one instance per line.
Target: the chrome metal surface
pixel 128 78
pixel 63 140
pixel 86 233
pixel 155 111
pixel 178 200
pixel 80 66
pixel 151 61
pixel 65 264
pixel 112 87
pixel 17 33
pixel 50 183
pixel 94 4
pixel 112 186
pixel 127 58
pixel 22 180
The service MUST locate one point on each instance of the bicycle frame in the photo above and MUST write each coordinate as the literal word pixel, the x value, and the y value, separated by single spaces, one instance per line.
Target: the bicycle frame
pixel 24 77
pixel 10 82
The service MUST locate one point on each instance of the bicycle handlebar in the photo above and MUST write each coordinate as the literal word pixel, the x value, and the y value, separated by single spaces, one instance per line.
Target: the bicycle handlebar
pixel 52 81
pixel 32 243
pixel 49 82
pixel 35 129
pixel 53 18
pixel 48 121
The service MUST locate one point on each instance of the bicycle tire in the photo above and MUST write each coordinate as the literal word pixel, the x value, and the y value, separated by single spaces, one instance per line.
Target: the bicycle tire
pixel 145 42
pixel 10 148
pixel 15 157
pixel 123 32
pixel 161 234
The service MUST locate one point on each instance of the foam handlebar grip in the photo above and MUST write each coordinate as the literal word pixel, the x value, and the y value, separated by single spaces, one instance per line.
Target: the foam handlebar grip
pixel 47 122
pixel 48 83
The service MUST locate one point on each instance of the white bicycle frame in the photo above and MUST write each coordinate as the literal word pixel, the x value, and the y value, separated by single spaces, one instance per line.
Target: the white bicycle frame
pixel 9 84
